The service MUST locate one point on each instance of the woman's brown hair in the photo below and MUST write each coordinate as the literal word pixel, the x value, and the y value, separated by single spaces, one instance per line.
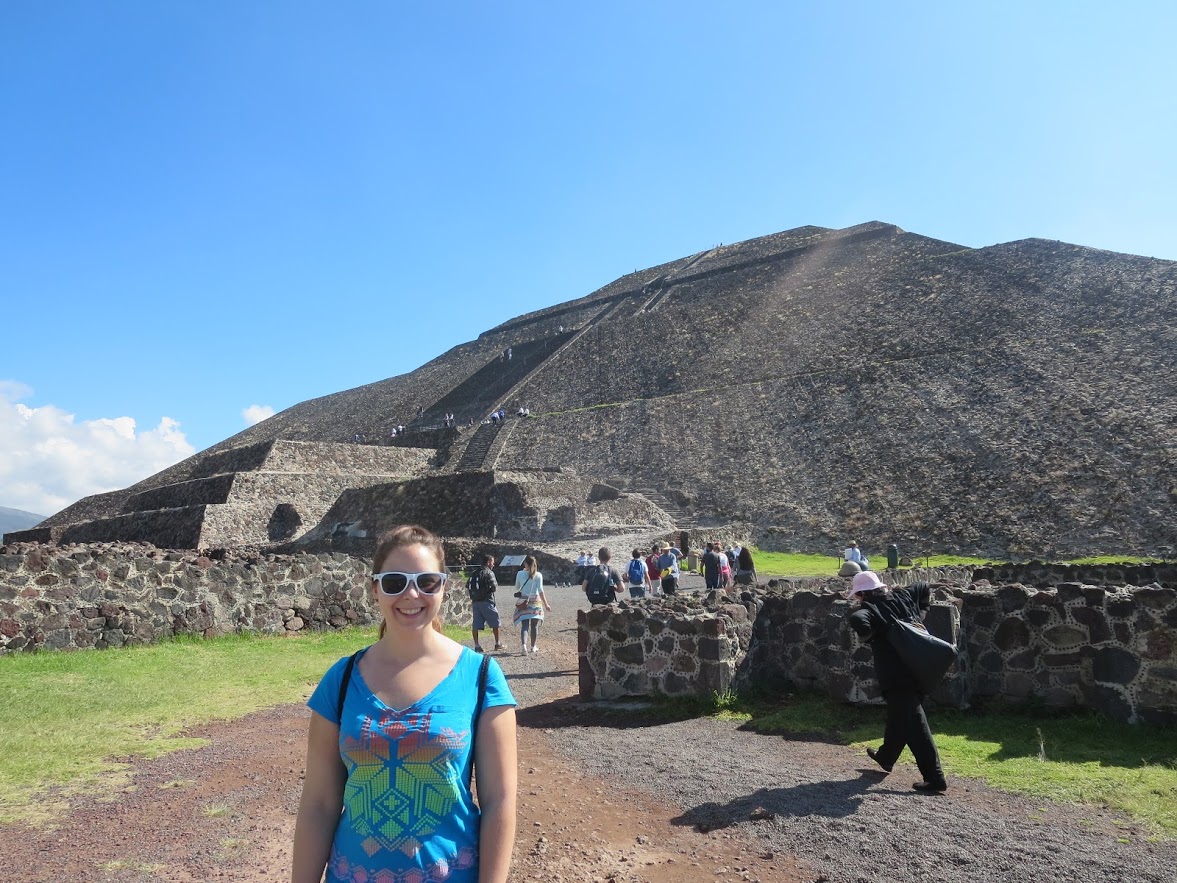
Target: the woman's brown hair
pixel 399 538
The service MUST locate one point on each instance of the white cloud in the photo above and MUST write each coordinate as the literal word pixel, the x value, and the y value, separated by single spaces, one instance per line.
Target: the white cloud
pixel 256 414
pixel 49 460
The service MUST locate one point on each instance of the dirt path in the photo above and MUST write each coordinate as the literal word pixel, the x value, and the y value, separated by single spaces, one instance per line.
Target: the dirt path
pixel 626 801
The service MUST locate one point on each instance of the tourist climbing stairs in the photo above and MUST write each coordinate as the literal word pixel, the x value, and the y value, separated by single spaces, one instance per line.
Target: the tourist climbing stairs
pixel 478 453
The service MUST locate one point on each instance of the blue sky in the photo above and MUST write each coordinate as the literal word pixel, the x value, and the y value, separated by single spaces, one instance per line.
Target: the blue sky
pixel 210 207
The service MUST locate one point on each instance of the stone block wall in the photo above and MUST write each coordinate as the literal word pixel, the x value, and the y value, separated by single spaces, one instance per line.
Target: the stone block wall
pixel 318 458
pixel 270 507
pixel 676 648
pixel 197 492
pixel 512 506
pixel 241 458
pixel 1040 574
pixel 72 597
pixel 452 505
pixel 166 528
pixel 801 641
pixel 1112 650
pixel 98 596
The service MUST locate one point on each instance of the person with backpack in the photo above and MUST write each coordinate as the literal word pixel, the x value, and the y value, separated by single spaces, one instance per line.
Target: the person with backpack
pixel 602 581
pixel 638 575
pixel 482 588
pixel 388 793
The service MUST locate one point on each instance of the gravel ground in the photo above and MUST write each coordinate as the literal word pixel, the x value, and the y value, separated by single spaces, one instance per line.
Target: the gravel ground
pixel 824 804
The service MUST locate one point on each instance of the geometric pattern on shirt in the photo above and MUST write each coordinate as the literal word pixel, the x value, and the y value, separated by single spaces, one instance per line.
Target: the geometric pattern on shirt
pixel 402 779
pixel 340 869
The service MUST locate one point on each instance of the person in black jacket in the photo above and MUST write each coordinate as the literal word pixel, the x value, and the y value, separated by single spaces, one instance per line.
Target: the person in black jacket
pixel 907 725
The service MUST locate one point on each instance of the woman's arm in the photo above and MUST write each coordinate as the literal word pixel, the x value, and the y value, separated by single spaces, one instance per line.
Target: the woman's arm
pixel 321 804
pixel 497 775
pixel 863 623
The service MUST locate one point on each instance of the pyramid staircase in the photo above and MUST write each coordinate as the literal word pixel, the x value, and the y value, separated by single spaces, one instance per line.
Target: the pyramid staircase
pixel 481 450
pixel 682 519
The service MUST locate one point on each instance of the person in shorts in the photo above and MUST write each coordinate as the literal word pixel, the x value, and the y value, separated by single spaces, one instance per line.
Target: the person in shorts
pixel 638 575
pixel 483 586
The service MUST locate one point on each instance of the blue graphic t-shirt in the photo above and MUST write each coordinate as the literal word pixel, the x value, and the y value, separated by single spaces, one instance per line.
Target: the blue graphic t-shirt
pixel 408 815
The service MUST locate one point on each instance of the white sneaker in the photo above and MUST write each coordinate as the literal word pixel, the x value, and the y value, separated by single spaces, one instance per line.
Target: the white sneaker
pixel 524 648
pixel 535 649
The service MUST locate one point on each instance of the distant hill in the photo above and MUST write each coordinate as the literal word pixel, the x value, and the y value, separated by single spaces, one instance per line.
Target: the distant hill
pixel 817 385
pixel 17 519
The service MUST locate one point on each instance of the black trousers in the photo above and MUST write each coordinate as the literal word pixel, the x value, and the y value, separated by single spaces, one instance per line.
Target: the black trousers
pixel 907 726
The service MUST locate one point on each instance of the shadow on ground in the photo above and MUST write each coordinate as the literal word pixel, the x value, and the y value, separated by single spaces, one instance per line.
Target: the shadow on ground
pixel 834 799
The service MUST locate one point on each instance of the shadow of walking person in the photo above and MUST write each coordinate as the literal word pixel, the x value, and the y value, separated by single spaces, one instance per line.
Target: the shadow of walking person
pixel 833 799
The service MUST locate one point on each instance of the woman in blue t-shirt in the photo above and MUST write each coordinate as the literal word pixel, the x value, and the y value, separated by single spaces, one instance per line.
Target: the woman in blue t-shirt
pixel 389 753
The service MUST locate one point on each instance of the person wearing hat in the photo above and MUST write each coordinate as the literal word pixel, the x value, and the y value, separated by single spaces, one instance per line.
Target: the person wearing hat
pixel 668 567
pixel 854 555
pixel 907 725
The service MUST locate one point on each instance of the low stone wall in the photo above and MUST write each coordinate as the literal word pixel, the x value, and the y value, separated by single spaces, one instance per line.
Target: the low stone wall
pixel 679 647
pixel 106 596
pixel 1074 645
pixel 1037 573
pixel 97 596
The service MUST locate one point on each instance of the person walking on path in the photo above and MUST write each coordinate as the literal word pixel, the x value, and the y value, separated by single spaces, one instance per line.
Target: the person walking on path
pixel 396 731
pixel 530 603
pixel 639 575
pixel 907 725
pixel 482 588
pixel 654 570
pixel 602 582
pixel 668 568
pixel 711 567
pixel 746 568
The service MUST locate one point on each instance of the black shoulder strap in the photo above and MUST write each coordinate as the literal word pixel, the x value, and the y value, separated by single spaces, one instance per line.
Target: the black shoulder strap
pixel 351 662
pixel 482 673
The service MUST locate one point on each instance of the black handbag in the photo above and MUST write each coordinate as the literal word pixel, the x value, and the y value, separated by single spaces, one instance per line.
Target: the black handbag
pixel 925 656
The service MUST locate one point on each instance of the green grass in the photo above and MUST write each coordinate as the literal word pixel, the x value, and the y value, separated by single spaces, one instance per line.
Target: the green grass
pixel 770 564
pixel 71 719
pixel 1087 759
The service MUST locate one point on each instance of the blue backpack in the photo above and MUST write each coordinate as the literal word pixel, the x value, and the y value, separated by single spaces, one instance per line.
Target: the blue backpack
pixel 636 576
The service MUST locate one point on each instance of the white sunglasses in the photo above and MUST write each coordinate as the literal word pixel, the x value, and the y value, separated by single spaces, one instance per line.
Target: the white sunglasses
pixel 394 582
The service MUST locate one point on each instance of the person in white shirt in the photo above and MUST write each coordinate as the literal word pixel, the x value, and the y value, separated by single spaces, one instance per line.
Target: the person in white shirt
pixel 853 553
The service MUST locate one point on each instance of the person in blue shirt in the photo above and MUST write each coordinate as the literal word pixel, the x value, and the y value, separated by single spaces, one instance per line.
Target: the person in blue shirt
pixel 387 790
